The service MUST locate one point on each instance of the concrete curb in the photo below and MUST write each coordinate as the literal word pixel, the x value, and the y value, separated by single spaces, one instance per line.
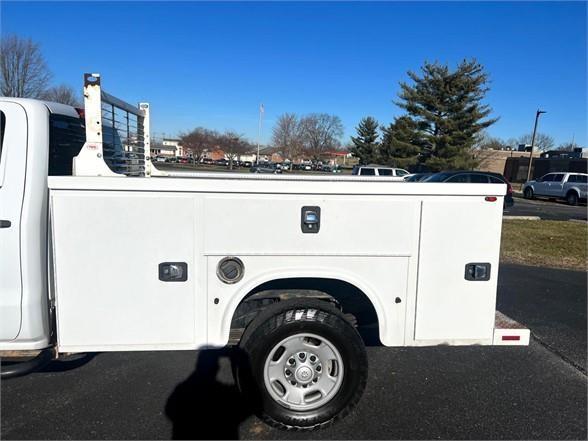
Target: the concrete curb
pixel 533 218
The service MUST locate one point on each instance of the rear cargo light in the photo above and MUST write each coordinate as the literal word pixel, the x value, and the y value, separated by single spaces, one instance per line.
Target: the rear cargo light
pixel 491 198
pixel 511 337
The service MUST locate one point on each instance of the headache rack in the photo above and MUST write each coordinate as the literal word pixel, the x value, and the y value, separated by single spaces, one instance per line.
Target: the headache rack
pixel 117 135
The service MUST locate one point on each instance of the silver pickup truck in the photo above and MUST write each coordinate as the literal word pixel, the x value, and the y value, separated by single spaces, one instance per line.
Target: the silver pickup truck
pixel 569 186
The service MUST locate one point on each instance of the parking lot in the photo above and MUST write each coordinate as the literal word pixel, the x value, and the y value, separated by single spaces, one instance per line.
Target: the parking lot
pixel 547 210
pixel 535 392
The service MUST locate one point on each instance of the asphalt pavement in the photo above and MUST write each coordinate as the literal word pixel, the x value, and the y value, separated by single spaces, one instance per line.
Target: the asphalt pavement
pixel 547 210
pixel 535 392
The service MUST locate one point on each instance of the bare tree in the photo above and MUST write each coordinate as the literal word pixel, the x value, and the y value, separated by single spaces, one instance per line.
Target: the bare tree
pixel 287 135
pixel 486 142
pixel 543 142
pixel 199 140
pixel 566 147
pixel 321 132
pixel 63 94
pixel 23 71
pixel 233 145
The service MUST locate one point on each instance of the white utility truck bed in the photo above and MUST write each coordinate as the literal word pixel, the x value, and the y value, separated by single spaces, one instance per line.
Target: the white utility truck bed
pixel 110 235
pixel 101 251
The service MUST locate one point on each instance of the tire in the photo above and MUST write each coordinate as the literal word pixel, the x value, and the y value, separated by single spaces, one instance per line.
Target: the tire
pixel 529 193
pixel 282 334
pixel 572 198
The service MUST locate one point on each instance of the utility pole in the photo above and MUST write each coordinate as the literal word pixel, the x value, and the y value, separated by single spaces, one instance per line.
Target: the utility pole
pixel 539 112
pixel 261 111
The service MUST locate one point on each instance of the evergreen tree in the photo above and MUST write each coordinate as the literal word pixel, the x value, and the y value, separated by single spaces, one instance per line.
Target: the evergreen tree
pixel 447 110
pixel 400 146
pixel 365 144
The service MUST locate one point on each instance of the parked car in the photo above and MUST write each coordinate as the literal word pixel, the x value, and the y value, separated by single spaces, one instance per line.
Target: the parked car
pixel 379 170
pixel 416 177
pixel 562 185
pixel 474 177
pixel 265 168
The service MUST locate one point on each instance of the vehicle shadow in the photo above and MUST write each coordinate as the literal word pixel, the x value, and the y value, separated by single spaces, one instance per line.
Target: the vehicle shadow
pixel 202 407
pixel 70 362
pixel 62 364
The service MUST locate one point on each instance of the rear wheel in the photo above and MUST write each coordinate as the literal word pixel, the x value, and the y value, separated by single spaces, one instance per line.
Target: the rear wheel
pixel 529 193
pixel 572 198
pixel 303 364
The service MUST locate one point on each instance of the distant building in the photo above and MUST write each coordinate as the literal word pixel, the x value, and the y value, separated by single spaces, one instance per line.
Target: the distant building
pixel 163 150
pixel 248 157
pixel 270 154
pixel 576 153
pixel 337 157
pixel 213 154
pixel 495 160
pixel 171 142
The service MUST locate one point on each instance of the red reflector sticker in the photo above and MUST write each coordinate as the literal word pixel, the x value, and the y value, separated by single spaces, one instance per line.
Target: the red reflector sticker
pixel 491 198
pixel 511 337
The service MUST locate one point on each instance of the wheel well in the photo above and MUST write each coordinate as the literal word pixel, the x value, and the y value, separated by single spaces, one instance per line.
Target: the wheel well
pixel 352 301
pixel 572 190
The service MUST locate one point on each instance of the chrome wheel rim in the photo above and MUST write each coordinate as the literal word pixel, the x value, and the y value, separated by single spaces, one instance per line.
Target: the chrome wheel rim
pixel 303 372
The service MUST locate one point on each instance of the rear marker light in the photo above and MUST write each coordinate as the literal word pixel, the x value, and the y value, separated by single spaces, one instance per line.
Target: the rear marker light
pixel 511 337
pixel 491 198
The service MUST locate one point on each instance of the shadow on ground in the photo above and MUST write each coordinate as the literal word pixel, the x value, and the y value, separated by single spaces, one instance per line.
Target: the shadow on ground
pixel 202 407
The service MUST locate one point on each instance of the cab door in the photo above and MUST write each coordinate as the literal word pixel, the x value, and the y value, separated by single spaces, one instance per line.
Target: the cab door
pixel 13 154
pixel 542 187
pixel 556 185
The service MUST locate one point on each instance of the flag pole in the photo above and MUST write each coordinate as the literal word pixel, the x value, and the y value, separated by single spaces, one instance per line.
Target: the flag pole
pixel 261 110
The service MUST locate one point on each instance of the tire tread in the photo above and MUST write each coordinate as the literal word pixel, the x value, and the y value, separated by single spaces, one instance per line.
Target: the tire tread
pixel 297 310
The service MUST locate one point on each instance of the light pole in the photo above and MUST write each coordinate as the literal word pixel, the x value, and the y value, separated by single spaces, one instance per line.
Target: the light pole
pixel 539 112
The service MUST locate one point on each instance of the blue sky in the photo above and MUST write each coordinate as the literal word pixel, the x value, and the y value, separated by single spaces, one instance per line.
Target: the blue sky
pixel 211 64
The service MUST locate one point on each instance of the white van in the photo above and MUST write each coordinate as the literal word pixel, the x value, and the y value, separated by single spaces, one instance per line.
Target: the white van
pixel 395 174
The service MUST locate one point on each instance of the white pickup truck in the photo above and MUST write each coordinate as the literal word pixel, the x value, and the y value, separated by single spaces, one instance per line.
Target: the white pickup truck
pixel 571 187
pixel 88 262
